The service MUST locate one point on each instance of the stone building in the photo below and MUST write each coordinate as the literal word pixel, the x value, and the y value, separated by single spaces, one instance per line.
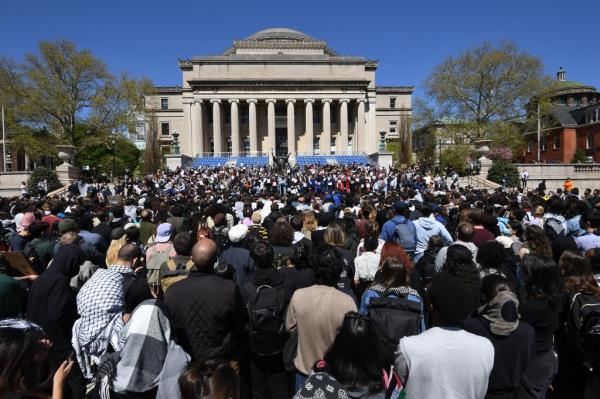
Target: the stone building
pixel 278 91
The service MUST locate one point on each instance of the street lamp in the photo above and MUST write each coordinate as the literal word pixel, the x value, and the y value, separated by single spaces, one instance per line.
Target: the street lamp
pixel 113 142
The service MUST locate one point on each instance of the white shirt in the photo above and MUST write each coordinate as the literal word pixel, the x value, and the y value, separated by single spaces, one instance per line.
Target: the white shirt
pixel 366 266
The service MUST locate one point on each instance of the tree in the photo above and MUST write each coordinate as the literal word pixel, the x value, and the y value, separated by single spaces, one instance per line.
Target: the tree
pixel 456 157
pixel 68 96
pixel 483 89
pixel 152 152
pixel 501 169
pixel 103 159
pixel 40 174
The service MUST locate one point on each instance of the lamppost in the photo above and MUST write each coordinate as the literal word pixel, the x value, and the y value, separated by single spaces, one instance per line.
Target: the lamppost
pixel 382 140
pixel 113 142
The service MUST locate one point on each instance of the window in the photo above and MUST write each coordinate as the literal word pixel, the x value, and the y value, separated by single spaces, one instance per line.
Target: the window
pixel 392 102
pixel 317 145
pixel 332 145
pixel 529 147
pixel 246 144
pixel 589 142
pixel 229 145
pixel 165 129
pixel 164 103
pixel 393 127
pixel 543 143
pixel 556 142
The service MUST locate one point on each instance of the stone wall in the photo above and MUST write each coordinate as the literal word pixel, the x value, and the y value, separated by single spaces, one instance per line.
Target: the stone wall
pixel 10 183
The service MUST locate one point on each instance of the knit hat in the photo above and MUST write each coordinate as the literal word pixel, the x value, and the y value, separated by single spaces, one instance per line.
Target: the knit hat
pixel 237 233
pixel 163 232
pixel 451 298
pixel 67 225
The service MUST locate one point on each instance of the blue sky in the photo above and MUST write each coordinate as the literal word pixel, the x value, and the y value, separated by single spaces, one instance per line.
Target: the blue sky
pixel 146 37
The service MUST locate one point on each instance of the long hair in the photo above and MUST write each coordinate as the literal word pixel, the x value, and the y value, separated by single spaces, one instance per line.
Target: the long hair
pixel 334 234
pixel 113 250
pixel 23 363
pixel 282 233
pixel 392 249
pixel 393 273
pixel 211 379
pixel 459 263
pixel 542 279
pixel 576 272
pixel 353 358
pixel 537 241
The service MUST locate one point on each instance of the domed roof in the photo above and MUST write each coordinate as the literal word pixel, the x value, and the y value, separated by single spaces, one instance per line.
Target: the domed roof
pixel 280 34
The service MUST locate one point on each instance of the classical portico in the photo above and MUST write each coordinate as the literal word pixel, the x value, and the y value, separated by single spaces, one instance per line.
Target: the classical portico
pixel 280 91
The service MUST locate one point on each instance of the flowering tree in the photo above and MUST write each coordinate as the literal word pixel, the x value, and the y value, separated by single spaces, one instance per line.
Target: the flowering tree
pixel 500 154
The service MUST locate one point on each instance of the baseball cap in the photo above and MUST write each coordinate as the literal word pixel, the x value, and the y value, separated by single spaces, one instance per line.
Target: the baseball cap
pixel 237 233
pixel 163 232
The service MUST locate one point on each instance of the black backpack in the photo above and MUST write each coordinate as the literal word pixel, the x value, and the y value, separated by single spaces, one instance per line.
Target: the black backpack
pixel 583 329
pixel 266 314
pixel 32 257
pixel 392 318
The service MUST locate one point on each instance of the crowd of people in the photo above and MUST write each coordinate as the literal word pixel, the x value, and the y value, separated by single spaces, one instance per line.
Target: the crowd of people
pixel 317 282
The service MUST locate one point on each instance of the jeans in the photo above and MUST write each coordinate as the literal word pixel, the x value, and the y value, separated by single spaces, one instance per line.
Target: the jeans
pixel 300 380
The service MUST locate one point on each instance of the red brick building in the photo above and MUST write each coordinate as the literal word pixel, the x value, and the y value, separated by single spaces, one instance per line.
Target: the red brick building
pixel 576 115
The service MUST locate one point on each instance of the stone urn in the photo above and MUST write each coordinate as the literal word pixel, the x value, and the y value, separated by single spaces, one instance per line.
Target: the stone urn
pixel 482 147
pixel 65 153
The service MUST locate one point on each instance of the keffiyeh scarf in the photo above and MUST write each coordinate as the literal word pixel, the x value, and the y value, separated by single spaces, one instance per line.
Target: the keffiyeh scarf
pixel 502 313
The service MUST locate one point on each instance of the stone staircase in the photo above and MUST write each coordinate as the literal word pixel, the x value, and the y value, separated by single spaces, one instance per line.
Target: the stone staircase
pixel 478 182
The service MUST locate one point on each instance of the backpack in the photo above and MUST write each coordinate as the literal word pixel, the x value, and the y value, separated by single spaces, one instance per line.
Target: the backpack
pixel 153 266
pixel 221 238
pixel 266 314
pixel 32 257
pixel 406 235
pixel 554 228
pixel 173 274
pixel 392 318
pixel 583 328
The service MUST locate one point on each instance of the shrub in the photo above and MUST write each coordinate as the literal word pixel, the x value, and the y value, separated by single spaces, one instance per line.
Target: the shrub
pixel 39 175
pixel 456 157
pixel 579 156
pixel 502 168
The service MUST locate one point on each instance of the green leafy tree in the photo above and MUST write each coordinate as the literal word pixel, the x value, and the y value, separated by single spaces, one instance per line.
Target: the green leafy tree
pixel 102 159
pixel 483 89
pixel 579 156
pixel 67 96
pixel 38 175
pixel 501 168
pixel 456 157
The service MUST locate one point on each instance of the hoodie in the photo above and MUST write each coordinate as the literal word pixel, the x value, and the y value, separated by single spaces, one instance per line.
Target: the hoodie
pixel 428 227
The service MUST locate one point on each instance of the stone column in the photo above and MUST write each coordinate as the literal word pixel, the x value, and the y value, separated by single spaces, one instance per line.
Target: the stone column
pixel 252 126
pixel 271 125
pixel 217 137
pixel 235 128
pixel 326 136
pixel 309 126
pixel 360 126
pixel 343 146
pixel 291 127
pixel 197 128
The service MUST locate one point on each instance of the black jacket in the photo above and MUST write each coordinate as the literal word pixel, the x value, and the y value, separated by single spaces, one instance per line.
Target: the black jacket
pixel 206 315
pixel 271 277
pixel 51 302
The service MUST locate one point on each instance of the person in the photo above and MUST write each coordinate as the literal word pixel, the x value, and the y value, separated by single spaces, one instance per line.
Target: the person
pixel 353 358
pixel 366 265
pixel 269 377
pixel 539 308
pixel 459 263
pixel 100 305
pixel 214 332
pixel 568 185
pixel 298 274
pixel 524 178
pixel 542 185
pixel 258 227
pixel 401 229
pixel 445 361
pixel 480 233
pixel 335 237
pixel 147 228
pixel 43 250
pixel 95 240
pixel 590 222
pixel 309 223
pixel 210 379
pixel 425 268
pixel 536 242
pixel 52 306
pixel 317 312
pixel 177 267
pixel 465 234
pixel 281 237
pixel 426 227
pixel 24 189
pixel 576 356
pixel 19 240
pixel 498 320
pixel 237 255
pixel 24 363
